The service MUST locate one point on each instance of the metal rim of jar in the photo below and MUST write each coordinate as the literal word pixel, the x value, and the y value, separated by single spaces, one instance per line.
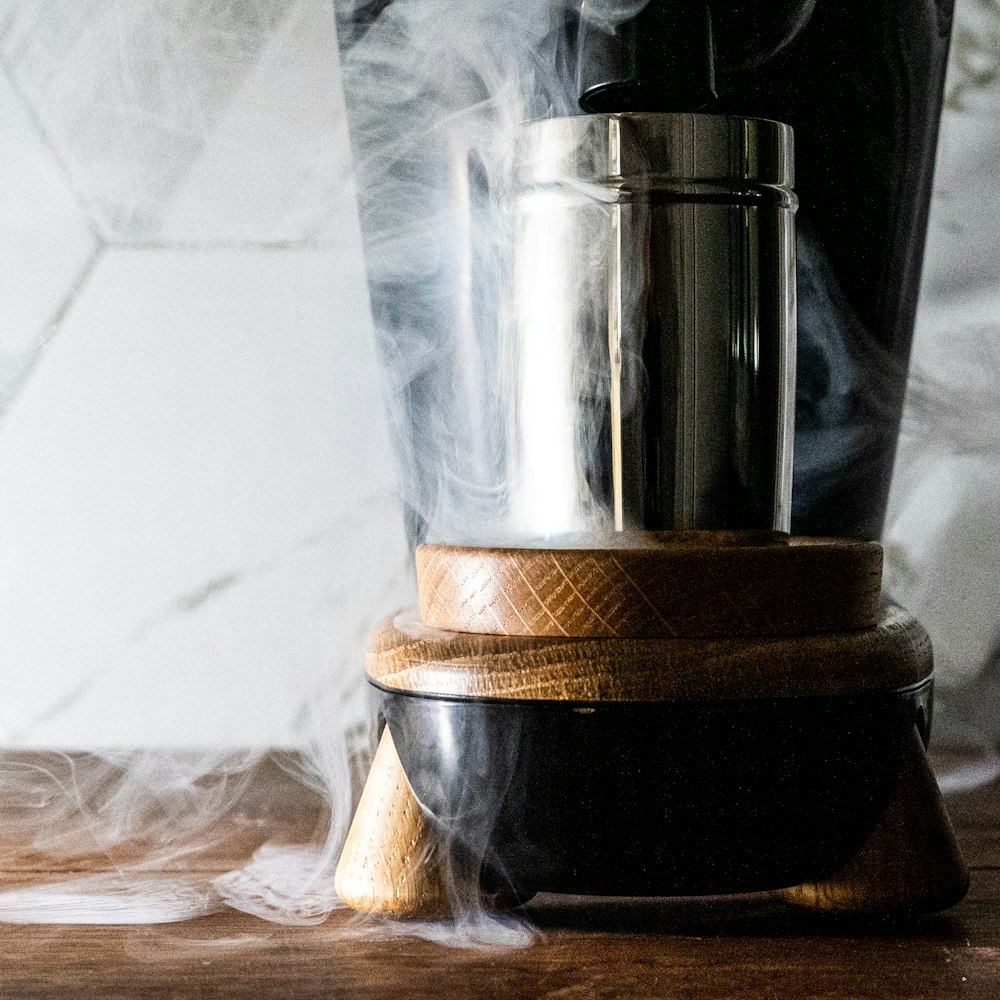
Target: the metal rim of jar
pixel 686 156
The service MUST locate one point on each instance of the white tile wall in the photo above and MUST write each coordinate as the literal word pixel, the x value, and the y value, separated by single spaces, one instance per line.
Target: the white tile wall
pixel 195 495
pixel 197 513
pixel 188 120
pixel 277 162
pixel 962 261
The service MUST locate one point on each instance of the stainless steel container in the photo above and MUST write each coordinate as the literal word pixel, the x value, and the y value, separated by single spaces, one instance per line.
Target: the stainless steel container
pixel 653 324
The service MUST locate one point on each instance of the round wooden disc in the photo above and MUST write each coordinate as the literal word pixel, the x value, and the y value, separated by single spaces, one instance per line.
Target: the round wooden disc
pixel 710 583
pixel 404 654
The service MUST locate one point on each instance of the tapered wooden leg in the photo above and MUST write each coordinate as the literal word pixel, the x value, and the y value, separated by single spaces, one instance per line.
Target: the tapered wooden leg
pixel 392 858
pixel 909 864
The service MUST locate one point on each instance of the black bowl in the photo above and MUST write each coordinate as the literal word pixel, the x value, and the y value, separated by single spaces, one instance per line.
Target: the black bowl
pixel 654 798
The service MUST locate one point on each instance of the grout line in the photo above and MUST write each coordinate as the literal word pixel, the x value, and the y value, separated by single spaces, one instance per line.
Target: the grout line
pixel 269 40
pixel 53 151
pixel 52 327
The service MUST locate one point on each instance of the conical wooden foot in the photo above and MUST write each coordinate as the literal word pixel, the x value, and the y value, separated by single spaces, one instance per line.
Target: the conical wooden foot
pixel 397 862
pixel 392 858
pixel 910 862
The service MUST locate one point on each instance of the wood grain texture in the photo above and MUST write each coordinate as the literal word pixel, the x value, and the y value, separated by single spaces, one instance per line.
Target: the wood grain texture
pixel 391 862
pixel 404 654
pixel 910 863
pixel 663 585
pixel 746 948
pixel 727 949
pixel 41 830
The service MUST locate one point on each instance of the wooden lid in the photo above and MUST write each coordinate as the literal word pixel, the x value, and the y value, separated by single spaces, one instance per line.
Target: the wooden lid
pixel 655 585
pixel 406 655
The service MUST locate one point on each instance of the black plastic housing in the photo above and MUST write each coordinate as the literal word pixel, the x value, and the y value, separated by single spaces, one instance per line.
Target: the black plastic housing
pixel 664 798
pixel 678 55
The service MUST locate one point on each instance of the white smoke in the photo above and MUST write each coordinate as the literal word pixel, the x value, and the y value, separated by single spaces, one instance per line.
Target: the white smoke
pixel 435 92
pixel 149 108
pixel 434 114
pixel 942 534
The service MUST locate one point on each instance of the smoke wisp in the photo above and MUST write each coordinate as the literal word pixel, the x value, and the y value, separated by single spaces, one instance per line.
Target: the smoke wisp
pixel 434 95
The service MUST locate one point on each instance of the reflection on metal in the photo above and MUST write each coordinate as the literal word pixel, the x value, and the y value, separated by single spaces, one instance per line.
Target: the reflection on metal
pixel 654 321
pixel 615 358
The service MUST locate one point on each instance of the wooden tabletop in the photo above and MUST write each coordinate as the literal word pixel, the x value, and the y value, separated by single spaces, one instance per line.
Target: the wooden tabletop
pixel 723 948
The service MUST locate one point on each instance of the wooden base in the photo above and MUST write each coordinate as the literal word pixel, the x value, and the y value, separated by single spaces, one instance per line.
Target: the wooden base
pixel 683 620
pixel 654 585
pixel 391 863
pixel 395 863
pixel 909 864
pixel 893 653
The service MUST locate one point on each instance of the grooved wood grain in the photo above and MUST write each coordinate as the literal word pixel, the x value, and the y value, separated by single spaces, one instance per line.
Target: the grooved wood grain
pixel 746 948
pixel 389 864
pixel 675 584
pixel 406 655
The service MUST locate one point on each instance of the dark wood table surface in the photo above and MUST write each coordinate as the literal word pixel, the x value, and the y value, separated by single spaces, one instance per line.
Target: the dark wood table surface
pixel 750 947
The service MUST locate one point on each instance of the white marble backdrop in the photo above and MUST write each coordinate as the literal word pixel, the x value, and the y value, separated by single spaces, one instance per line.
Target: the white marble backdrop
pixel 197 514
pixel 197 517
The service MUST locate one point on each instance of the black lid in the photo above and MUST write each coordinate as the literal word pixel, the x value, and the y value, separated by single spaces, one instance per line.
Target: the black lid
pixel 679 55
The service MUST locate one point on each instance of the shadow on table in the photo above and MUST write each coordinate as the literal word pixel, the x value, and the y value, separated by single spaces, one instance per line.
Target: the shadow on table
pixel 732 916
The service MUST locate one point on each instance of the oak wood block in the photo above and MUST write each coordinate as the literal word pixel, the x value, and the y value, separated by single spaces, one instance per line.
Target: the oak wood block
pixel 391 861
pixel 896 651
pixel 654 585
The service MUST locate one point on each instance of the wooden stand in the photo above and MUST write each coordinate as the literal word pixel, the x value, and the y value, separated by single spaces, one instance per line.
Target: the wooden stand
pixel 391 862
pixel 655 585
pixel 909 864
pixel 396 861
